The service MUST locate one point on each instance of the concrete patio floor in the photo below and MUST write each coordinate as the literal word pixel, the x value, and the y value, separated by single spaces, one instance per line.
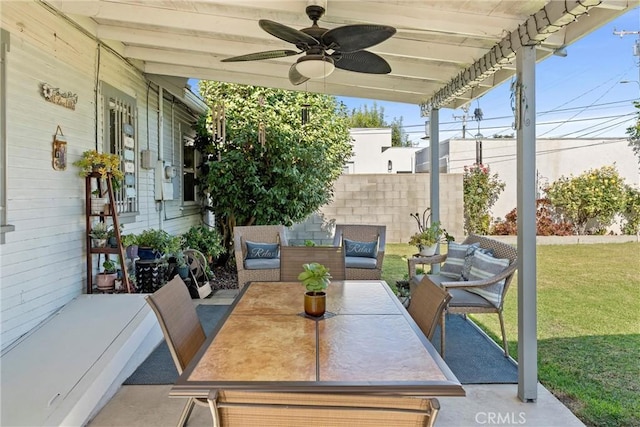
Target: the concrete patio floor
pixel 494 404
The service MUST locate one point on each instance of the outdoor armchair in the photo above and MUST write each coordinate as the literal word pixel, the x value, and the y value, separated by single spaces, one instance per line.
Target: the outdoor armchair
pixel 260 264
pixel 362 266
pixel 484 292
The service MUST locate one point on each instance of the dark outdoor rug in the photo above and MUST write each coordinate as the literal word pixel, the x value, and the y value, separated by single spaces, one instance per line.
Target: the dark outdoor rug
pixel 472 357
pixel 159 368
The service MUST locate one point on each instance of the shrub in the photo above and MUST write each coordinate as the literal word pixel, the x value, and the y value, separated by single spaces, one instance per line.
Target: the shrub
pixel 594 197
pixel 548 222
pixel 631 211
pixel 481 191
pixel 204 239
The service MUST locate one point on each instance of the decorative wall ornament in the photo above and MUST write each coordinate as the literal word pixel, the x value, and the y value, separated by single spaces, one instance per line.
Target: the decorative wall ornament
pixel 59 150
pixel 53 94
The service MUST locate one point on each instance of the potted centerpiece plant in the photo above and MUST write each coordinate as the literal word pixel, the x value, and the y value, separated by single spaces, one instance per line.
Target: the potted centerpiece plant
pixel 106 279
pixel 429 233
pixel 315 277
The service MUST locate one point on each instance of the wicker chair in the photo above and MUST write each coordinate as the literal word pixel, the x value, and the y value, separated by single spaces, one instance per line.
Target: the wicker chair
pixel 465 302
pixel 262 234
pixel 181 328
pixel 427 305
pixel 263 409
pixel 292 258
pixel 362 233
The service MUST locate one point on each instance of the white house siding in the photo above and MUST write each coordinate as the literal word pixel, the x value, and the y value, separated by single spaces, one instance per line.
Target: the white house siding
pixel 43 261
pixel 554 158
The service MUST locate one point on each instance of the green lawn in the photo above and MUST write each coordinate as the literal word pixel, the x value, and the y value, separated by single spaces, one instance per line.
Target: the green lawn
pixel 588 326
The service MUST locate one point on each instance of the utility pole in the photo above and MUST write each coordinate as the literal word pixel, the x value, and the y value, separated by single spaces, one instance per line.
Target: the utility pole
pixel 464 118
pixel 636 47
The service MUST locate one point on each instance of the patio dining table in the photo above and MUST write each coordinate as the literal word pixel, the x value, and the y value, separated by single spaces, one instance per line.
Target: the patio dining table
pixel 365 343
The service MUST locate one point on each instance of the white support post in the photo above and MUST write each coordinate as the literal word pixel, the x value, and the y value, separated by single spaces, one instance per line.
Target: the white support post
pixel 526 190
pixel 434 171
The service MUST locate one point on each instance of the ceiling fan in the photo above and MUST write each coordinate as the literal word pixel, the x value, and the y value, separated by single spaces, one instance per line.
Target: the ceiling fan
pixel 324 49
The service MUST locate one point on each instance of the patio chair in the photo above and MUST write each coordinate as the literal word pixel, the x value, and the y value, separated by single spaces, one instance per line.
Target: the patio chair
pixel 479 295
pixel 367 266
pixel 263 268
pixel 427 304
pixel 292 258
pixel 263 409
pixel 181 328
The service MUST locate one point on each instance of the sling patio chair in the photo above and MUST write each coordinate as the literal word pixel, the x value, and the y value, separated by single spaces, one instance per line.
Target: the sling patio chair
pixel 428 302
pixel 181 328
pixel 293 257
pixel 267 409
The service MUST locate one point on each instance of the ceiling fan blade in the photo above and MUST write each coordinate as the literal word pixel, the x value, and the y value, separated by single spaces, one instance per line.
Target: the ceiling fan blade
pixel 361 61
pixel 295 77
pixel 350 38
pixel 287 34
pixel 270 54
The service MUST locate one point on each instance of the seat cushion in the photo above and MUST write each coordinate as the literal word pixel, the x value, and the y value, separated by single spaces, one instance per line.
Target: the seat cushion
pixel 464 298
pixel 262 263
pixel 456 255
pixel 354 249
pixel 484 266
pixel 256 250
pixel 359 262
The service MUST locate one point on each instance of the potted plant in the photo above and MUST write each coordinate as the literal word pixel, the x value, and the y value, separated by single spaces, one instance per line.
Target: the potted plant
pixel 130 243
pixel 98 202
pixel 111 236
pixel 106 280
pixel 153 244
pixel 429 234
pixel 315 277
pixel 99 235
pixel 103 163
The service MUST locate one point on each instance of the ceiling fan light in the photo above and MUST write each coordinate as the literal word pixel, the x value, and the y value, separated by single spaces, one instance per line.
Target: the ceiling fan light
pixel 315 66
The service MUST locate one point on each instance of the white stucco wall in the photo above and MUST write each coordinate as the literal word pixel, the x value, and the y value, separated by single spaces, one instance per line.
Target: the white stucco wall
pixel 554 158
pixel 372 152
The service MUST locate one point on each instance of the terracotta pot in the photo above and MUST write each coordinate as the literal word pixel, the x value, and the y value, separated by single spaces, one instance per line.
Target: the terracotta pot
pixel 106 282
pixel 315 303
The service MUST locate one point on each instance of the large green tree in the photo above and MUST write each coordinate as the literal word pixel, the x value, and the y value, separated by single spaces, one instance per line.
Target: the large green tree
pixel 634 132
pixel 365 117
pixel 284 178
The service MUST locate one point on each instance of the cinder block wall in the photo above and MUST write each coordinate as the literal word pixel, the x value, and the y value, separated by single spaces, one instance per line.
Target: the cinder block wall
pixel 385 199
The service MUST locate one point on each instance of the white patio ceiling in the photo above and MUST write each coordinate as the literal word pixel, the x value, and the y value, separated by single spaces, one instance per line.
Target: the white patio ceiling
pixel 444 54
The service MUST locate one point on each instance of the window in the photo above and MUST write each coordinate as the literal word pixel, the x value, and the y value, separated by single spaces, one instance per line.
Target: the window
pixel 120 138
pixel 189 168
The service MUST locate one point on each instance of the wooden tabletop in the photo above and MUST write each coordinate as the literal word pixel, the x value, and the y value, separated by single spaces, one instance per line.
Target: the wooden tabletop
pixel 367 343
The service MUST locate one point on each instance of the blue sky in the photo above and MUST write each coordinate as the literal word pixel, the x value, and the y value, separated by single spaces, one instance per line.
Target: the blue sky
pixel 579 95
